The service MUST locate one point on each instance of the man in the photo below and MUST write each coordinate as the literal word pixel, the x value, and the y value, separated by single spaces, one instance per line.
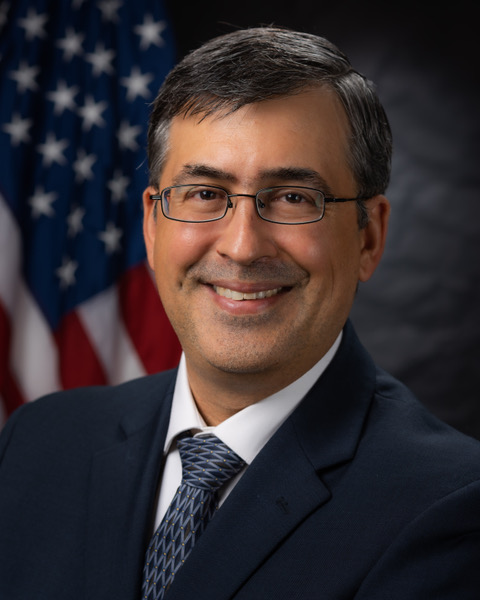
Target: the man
pixel 269 156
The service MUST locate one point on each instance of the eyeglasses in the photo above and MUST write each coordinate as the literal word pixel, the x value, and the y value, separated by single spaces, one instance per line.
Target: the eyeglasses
pixel 285 205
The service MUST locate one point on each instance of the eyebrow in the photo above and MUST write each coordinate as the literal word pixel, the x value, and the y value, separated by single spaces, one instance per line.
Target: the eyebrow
pixel 302 175
pixel 198 171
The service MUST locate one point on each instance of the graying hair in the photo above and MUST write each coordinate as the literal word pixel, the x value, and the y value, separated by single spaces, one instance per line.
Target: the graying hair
pixel 262 63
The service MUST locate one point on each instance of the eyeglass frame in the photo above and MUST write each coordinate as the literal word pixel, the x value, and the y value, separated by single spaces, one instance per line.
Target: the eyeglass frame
pixel 229 204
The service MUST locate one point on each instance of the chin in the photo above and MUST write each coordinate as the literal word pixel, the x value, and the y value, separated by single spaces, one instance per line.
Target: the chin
pixel 243 363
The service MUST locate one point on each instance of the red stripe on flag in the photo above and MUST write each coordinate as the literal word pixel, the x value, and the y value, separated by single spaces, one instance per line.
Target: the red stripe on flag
pixel 9 389
pixel 146 321
pixel 79 363
pixel 11 394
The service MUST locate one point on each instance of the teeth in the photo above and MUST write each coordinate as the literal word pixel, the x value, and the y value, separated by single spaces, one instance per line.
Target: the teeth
pixel 234 295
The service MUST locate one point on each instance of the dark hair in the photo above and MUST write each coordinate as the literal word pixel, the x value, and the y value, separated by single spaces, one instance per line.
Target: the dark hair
pixel 252 65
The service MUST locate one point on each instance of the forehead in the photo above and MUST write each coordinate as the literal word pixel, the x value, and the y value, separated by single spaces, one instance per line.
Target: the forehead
pixel 308 130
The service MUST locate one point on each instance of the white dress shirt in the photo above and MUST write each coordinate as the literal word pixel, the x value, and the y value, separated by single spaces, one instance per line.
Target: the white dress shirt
pixel 246 432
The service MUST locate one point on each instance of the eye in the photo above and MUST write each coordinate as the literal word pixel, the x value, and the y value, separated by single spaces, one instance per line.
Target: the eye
pixel 208 194
pixel 294 196
pixel 204 193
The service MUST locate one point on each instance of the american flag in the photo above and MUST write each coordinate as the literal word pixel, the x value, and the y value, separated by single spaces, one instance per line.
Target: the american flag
pixel 78 305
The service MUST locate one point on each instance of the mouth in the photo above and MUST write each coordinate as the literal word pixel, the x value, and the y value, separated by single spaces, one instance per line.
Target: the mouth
pixel 236 295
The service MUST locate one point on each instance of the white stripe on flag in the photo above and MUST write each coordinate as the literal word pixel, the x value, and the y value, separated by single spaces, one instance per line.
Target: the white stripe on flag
pixel 103 324
pixel 10 256
pixel 33 351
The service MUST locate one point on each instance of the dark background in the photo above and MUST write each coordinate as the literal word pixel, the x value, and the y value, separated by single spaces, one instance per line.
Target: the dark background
pixel 419 315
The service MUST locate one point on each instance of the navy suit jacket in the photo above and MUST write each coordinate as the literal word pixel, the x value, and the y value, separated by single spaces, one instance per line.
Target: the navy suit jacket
pixel 360 494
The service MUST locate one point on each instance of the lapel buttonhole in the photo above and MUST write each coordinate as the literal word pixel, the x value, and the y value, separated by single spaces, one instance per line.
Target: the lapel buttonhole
pixel 282 504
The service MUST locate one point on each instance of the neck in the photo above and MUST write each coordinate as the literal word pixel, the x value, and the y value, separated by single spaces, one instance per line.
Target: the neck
pixel 220 397
pixel 219 394
pixel 220 390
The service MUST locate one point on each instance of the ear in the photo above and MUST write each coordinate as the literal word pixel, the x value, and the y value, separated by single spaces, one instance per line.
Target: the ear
pixel 149 223
pixel 374 236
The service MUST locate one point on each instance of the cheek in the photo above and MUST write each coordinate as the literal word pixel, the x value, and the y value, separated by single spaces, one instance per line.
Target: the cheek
pixel 177 247
pixel 311 250
pixel 331 257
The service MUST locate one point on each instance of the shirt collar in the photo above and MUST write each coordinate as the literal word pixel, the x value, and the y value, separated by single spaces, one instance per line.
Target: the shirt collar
pixel 247 431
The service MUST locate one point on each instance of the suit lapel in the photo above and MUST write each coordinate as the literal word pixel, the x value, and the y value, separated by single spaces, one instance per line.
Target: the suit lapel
pixel 330 420
pixel 124 479
pixel 283 485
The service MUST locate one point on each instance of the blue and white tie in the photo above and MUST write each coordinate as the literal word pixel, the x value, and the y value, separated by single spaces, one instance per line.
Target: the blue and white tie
pixel 207 463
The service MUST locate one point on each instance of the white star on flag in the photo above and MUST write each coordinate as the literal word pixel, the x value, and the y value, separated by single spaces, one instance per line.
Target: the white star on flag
pixel 25 77
pixel 83 165
pixel 63 97
pixel 41 202
pixel 101 60
pixel 150 32
pixel 118 186
pixel 71 44
pixel 91 113
pixel 52 150
pixel 137 84
pixel 111 238
pixel 66 272
pixel 75 221
pixel 17 129
pixel 109 9
pixel 127 135
pixel 34 25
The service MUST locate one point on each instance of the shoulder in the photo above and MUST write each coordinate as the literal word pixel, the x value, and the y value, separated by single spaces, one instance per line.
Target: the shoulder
pixel 88 413
pixel 415 445
pixel 424 477
pixel 401 413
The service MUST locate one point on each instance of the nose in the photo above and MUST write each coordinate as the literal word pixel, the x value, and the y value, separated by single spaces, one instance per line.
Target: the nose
pixel 245 237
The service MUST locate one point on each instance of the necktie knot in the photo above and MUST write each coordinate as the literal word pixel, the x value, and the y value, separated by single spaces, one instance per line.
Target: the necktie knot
pixel 207 463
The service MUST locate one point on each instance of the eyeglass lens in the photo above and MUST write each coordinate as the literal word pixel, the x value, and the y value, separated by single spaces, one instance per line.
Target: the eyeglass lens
pixel 201 203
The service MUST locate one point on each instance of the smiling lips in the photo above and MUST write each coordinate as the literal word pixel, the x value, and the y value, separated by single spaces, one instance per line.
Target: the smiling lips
pixel 235 295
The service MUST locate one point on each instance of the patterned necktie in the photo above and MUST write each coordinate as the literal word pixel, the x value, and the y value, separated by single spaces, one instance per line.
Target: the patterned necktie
pixel 207 463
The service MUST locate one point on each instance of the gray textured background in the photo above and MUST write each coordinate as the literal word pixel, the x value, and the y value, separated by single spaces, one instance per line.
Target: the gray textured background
pixel 420 314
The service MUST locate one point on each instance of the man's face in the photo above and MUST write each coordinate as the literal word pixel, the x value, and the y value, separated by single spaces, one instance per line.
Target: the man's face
pixel 298 281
